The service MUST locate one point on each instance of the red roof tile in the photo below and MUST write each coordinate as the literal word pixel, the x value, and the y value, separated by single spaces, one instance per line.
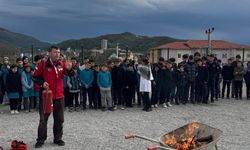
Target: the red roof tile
pixel 202 44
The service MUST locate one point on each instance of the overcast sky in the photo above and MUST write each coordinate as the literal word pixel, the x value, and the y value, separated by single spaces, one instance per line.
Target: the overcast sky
pixel 58 20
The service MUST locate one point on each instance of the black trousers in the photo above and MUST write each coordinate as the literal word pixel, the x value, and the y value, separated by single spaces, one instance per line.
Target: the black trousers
pixel 88 91
pixel 13 104
pixel 155 94
pixel 248 90
pixel 118 96
pixel 238 88
pixel 66 97
pixel 217 88
pixel 200 92
pixel 146 100
pixel 20 101
pixel 190 89
pixel 226 84
pixel 211 89
pixel 73 97
pixel 128 95
pixel 97 97
pixel 173 93
pixel 180 93
pixel 58 115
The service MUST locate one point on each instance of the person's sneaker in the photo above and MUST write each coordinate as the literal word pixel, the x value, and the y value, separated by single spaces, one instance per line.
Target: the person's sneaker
pixel 111 109
pixel 169 105
pixel 38 144
pixel 164 105
pixel 149 109
pixel 12 112
pixel 71 109
pixel 122 108
pixel 115 107
pixel 59 142
pixel 152 106
pixel 77 109
pixel 103 108
pixel 16 112
pixel 26 111
pixel 156 106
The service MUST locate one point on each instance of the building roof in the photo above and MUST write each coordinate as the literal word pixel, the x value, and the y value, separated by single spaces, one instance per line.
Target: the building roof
pixel 202 44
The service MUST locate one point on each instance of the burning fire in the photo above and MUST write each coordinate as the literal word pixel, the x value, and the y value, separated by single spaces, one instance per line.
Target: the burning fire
pixel 185 141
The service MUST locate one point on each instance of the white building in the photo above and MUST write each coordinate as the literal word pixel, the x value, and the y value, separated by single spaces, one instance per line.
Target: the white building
pixel 221 49
pixel 104 44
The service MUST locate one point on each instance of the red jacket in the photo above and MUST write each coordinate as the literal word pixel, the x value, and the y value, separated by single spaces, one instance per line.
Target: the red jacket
pixel 52 73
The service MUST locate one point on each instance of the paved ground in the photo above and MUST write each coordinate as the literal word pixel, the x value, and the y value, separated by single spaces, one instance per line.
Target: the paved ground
pixel 97 130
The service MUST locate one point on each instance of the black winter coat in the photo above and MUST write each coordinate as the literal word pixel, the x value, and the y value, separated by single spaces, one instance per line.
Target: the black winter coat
pixel 117 75
pixel 181 77
pixel 190 69
pixel 130 79
pixel 247 76
pixel 166 78
pixel 13 83
pixel 213 70
pixel 227 72
pixel 202 74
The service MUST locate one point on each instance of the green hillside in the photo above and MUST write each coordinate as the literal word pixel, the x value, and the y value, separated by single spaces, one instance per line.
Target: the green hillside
pixel 16 40
pixel 134 42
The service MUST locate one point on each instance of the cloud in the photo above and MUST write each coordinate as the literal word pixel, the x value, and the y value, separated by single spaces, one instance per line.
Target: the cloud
pixel 58 20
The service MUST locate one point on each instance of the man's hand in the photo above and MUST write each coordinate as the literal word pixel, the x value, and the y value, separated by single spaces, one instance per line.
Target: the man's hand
pixel 45 85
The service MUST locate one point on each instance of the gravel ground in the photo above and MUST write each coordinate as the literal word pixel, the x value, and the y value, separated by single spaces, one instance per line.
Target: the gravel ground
pixel 97 130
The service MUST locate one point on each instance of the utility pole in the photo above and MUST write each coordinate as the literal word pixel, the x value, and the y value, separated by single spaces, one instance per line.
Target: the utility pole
pixel 82 53
pixel 32 54
pixel 127 52
pixel 209 32
pixel 117 50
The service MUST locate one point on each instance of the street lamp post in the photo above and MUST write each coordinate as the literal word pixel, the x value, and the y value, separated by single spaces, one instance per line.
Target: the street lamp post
pixel 209 32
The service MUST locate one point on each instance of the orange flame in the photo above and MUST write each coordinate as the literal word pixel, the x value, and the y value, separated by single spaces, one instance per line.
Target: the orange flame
pixel 186 140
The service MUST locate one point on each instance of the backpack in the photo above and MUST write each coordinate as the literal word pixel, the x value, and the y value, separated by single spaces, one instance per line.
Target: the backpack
pixel 18 145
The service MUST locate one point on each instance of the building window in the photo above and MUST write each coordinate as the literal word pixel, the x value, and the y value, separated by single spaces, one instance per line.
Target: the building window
pixel 248 55
pixel 179 55
pixel 224 55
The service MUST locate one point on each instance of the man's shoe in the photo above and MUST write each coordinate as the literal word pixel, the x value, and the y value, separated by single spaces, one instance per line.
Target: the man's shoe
pixel 168 104
pixel 38 144
pixel 164 105
pixel 59 142
pixel 148 110
pixel 111 109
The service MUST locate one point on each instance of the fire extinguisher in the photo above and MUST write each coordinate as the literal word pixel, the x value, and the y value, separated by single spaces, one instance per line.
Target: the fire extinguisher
pixel 47 98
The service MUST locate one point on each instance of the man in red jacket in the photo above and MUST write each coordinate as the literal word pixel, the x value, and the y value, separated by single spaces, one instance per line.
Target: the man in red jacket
pixel 49 73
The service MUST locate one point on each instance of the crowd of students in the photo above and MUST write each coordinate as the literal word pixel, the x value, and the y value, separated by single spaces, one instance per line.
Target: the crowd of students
pixel 121 84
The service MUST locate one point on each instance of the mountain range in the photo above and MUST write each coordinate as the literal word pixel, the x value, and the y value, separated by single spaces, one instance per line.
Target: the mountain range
pixel 12 40
pixel 138 43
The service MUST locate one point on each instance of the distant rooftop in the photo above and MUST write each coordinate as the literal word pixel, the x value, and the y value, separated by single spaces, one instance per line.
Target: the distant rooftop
pixel 202 44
